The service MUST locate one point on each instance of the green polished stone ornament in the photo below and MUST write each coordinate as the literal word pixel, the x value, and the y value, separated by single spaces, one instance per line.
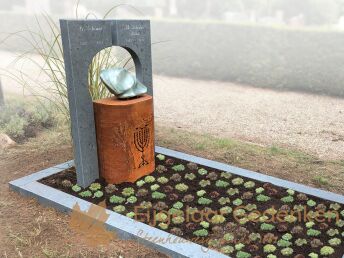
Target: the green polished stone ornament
pixel 122 83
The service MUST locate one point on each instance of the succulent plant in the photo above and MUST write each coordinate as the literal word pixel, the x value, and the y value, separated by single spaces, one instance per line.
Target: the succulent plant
pixel 204 201
pixel 142 192
pixel 326 250
pixel 176 177
pixel 95 187
pixel 161 216
pixel 313 232
pixel 178 220
pixel 158 195
pixel 192 166
pixel 212 176
pixel 168 189
pixel 98 194
pixel 271 256
pixel 76 188
pixel 227 249
pixel 132 199
pixel 146 205
pixel 335 206
pixel 162 180
pixel 140 183
pixel 232 191
pixel 284 243
pixel 149 179
pixel 334 241
pixel 188 198
pixel 242 254
pixel 224 200
pixel 173 197
pixel 259 190
pixel 287 251
pixel 287 199
pixel 290 191
pixel 266 227
pixel 128 191
pixel 154 187
pixel 239 246
pixel 202 171
pixel 297 230
pixel 269 248
pixel 298 207
pixel 131 214
pixel 175 212
pixel 332 232
pixel 262 198
pixel 177 231
pixel 86 193
pixel 316 243
pixel 163 225
pixel 190 176
pixel 178 205
pixel 204 224
pixel 119 209
pixel 178 168
pixel 313 255
pixel 310 224
pixel 160 157
pixel 254 237
pixel 201 232
pixel 218 219
pixel 302 197
pixel 247 195
pixel 67 183
pixel 311 203
pixel 237 202
pixel 269 238
pixel 221 184
pixel 204 183
pixel 290 218
pixel 300 242
pixel 340 223
pixel 116 199
pixel 161 169
pixel 182 187
pixel 287 236
pixel 226 175
pixel 200 193
pixel 249 184
pixel 110 188
pixel 159 206
pixel 226 210
pixel 169 162
pixel 237 181
pixel 214 194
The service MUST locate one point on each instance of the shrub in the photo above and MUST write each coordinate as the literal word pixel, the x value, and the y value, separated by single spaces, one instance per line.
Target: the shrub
pixel 98 194
pixel 76 188
pixel 162 180
pixel 95 187
pixel 119 209
pixel 190 176
pixel 202 171
pixel 237 181
pixel 149 179
pixel 269 248
pixel 221 184
pixel 154 187
pixel 179 168
pixel 287 251
pixel 204 201
pixel 116 199
pixel 132 199
pixel 218 219
pixel 128 191
pixel 182 187
pixel 158 195
pixel 86 193
pixel 178 205
pixel 201 232
pixel 204 183
pixel 160 157
pixel 326 250
pixel 140 183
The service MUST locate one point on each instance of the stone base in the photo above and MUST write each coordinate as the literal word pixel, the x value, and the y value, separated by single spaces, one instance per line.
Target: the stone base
pixel 125 138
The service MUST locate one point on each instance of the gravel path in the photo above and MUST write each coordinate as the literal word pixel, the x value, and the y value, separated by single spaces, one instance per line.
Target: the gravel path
pixel 303 121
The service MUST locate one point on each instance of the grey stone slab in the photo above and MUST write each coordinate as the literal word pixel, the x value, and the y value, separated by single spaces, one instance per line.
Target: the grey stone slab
pixel 82 40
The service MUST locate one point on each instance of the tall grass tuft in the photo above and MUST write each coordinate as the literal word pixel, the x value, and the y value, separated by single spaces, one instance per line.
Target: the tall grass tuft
pixel 46 43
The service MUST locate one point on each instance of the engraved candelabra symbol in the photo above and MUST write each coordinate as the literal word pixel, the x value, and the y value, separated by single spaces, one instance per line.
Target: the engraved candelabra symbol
pixel 141 140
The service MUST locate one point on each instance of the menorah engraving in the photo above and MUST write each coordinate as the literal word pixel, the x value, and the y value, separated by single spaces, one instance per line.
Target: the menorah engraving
pixel 141 141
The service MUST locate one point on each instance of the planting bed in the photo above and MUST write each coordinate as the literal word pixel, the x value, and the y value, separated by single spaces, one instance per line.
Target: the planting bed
pixel 235 215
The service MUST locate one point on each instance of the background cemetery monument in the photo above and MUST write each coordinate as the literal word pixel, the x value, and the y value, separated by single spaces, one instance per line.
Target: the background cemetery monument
pixel 82 40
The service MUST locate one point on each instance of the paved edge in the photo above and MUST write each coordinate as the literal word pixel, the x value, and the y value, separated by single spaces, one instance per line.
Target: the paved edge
pixel 130 229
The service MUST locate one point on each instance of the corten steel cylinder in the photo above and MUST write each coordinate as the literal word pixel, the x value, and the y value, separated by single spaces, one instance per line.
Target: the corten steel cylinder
pixel 125 138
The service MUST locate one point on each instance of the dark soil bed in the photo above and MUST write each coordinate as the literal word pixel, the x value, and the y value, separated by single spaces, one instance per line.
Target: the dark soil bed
pixel 234 215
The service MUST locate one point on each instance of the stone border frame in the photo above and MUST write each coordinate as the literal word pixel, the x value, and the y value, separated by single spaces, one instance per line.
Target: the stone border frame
pixel 130 229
